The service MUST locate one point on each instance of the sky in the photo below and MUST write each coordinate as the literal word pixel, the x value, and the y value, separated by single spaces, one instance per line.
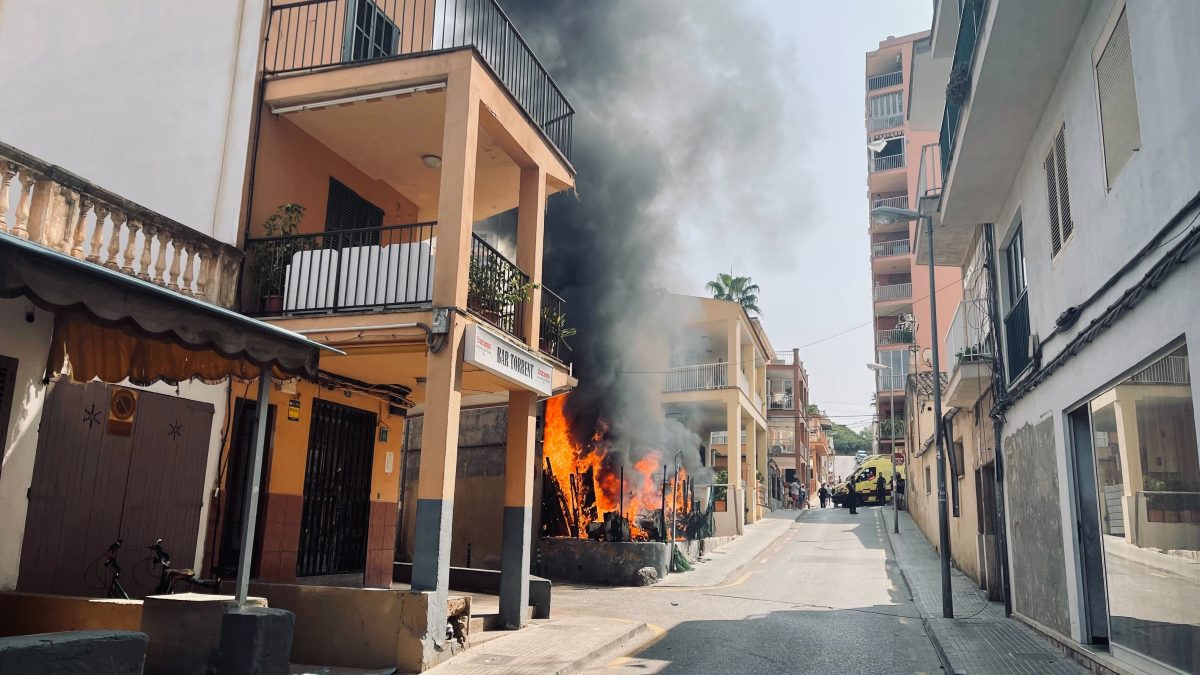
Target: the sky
pixel 817 284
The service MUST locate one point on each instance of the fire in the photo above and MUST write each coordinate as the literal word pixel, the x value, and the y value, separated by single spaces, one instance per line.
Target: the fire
pixel 587 493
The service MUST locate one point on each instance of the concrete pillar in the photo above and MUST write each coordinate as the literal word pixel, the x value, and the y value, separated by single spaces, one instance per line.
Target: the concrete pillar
pixel 752 471
pixel 760 445
pixel 531 219
pixel 733 425
pixel 443 395
pixel 518 508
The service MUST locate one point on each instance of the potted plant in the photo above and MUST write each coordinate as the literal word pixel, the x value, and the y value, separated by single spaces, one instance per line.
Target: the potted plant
pixel 494 288
pixel 273 253
pixel 556 330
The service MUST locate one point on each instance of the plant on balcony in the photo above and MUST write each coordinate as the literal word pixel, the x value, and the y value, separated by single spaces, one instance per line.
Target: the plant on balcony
pixel 557 329
pixel 273 253
pixel 959 84
pixel 495 287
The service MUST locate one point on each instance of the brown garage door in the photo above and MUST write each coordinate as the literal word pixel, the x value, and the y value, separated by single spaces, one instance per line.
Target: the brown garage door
pixel 112 463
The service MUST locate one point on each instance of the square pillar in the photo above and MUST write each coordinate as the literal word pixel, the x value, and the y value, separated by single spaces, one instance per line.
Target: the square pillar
pixel 752 471
pixel 518 508
pixel 531 219
pixel 761 446
pixel 443 392
pixel 733 447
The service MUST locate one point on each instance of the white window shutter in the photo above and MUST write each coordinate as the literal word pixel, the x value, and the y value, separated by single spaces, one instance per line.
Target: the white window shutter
pixel 1118 101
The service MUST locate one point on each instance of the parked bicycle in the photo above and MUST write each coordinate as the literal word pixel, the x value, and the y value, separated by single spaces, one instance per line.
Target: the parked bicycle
pixel 168 577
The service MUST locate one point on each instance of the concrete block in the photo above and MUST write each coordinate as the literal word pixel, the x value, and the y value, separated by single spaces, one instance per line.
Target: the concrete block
pixel 615 563
pixel 184 631
pixel 90 652
pixel 256 641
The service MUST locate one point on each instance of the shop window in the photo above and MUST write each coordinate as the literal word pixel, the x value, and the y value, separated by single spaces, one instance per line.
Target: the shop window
pixel 1148 487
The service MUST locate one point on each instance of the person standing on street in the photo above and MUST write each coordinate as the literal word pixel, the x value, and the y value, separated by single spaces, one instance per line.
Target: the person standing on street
pixel 823 495
pixel 852 498
pixel 794 494
pixel 881 489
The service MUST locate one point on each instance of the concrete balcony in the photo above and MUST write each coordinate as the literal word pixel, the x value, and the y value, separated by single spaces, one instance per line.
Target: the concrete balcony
pixel 698 377
pixel 885 80
pixel 887 162
pixel 894 336
pixel 970 353
pixel 885 249
pixel 893 292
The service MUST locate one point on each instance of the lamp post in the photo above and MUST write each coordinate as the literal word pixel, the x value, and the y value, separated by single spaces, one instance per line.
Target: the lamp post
pixel 889 215
pixel 879 367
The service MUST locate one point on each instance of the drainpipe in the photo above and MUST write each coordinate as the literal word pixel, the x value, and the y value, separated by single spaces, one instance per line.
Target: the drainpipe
pixel 999 400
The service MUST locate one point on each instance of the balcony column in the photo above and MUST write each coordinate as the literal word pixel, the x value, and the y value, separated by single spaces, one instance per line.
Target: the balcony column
pixel 518 508
pixel 752 469
pixel 760 445
pixel 531 219
pixel 733 465
pixel 443 397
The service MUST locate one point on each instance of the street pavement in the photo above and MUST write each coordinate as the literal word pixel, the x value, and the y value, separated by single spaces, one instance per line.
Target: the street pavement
pixel 822 597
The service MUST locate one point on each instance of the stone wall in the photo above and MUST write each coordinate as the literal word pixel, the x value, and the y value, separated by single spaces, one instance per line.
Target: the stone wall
pixel 1039 582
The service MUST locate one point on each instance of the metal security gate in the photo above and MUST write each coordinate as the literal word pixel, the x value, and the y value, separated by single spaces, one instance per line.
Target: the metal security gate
pixel 337 491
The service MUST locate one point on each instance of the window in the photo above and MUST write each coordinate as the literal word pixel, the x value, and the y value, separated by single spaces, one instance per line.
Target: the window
pixel 927 481
pixel 894 378
pixel 1118 101
pixel 887 110
pixel 1061 225
pixel 1014 265
pixel 8 378
pixel 1147 475
pixel 355 220
pixel 370 34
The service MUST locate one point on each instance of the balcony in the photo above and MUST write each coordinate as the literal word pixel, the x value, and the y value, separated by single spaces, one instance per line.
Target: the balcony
pixel 341 271
pixel 969 346
pixel 698 377
pixel 884 81
pixel 496 288
pixel 885 122
pixel 884 249
pixel 893 292
pixel 781 402
pixel 313 35
pixel 890 382
pixel 960 74
pixel 897 201
pixel 62 211
pixel 1016 337
pixel 554 330
pixel 887 162
pixel 722 438
pixel 894 336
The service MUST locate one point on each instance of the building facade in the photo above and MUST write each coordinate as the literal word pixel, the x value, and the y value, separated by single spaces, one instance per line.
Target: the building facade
pixel 1063 162
pixel 787 420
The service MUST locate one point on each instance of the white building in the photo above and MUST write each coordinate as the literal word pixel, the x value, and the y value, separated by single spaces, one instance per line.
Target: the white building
pixel 151 101
pixel 1069 129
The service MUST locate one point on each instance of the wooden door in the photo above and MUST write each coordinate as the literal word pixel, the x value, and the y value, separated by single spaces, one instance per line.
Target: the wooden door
pixel 112 463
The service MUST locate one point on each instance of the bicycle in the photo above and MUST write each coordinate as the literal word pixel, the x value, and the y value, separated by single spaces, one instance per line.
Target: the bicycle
pixel 115 589
pixel 168 577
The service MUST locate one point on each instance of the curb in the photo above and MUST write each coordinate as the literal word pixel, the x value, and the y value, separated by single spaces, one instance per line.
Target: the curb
pixel 930 633
pixel 732 574
pixel 633 639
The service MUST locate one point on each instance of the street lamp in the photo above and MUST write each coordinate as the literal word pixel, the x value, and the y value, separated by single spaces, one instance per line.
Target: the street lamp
pixel 890 215
pixel 878 368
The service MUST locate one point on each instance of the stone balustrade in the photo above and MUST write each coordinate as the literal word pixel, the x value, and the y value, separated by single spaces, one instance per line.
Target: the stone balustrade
pixel 59 210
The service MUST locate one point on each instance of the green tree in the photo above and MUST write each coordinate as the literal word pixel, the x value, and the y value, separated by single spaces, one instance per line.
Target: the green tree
pixel 847 441
pixel 736 289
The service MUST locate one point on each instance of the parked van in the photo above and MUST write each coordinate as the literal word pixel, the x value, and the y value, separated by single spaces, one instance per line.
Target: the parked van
pixel 864 479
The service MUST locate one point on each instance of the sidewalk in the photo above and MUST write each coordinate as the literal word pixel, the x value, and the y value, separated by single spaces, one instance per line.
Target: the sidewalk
pixel 719 565
pixel 552 646
pixel 979 639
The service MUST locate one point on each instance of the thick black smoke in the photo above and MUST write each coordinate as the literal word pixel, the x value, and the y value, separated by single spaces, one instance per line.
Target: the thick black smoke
pixel 679 138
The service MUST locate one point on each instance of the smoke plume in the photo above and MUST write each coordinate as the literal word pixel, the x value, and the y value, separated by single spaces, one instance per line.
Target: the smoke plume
pixel 681 143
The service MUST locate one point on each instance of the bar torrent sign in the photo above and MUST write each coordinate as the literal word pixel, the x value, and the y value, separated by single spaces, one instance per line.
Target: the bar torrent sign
pixel 501 358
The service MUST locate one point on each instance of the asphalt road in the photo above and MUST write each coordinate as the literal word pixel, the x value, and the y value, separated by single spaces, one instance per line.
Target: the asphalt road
pixel 824 598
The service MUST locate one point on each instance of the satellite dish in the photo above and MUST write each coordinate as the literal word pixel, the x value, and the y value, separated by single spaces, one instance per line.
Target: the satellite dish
pixel 927 356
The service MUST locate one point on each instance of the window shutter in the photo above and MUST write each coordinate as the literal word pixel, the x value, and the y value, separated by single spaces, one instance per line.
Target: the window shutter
pixel 347 210
pixel 1118 101
pixel 8 376
pixel 1064 198
pixel 1052 193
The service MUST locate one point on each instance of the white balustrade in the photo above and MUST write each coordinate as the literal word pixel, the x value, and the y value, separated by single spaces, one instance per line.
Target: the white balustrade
pixel 698 377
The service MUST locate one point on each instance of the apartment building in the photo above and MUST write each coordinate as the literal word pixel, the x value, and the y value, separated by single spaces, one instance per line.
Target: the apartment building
pixel 371 175
pixel 716 387
pixel 788 397
pixel 900 288
pixel 1063 172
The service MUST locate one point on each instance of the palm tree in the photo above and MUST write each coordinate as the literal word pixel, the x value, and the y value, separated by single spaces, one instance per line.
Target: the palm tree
pixel 735 289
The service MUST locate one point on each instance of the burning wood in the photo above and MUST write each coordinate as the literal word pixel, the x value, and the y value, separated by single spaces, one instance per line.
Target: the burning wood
pixel 586 494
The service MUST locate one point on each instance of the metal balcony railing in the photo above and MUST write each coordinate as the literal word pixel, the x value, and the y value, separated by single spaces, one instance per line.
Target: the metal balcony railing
pixel 894 336
pixel 698 377
pixel 780 401
pixel 899 202
pixel 1016 337
pixel 884 249
pixel 891 382
pixel 496 288
pixel 553 325
pixel 888 162
pixel 893 292
pixel 884 81
pixel 344 270
pixel 886 122
pixel 782 359
pixel 971 22
pixel 722 437
pixel 317 34
pixel 969 337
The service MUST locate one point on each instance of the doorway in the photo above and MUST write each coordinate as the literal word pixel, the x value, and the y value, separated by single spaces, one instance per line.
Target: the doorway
pixel 237 482
pixel 1091 555
pixel 337 491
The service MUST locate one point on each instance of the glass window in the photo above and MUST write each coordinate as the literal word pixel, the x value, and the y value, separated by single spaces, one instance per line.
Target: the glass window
pixel 1148 487
pixel 1014 262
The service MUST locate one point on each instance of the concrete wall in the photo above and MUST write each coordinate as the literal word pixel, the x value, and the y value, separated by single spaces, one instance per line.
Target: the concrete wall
pixel 478 489
pixel 27 613
pixel 140 69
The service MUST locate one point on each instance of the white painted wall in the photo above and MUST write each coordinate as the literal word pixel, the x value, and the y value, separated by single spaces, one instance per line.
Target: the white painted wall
pixel 1110 225
pixel 149 99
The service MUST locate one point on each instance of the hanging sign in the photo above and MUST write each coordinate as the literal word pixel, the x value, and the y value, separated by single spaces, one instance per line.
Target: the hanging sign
pixel 294 410
pixel 498 356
